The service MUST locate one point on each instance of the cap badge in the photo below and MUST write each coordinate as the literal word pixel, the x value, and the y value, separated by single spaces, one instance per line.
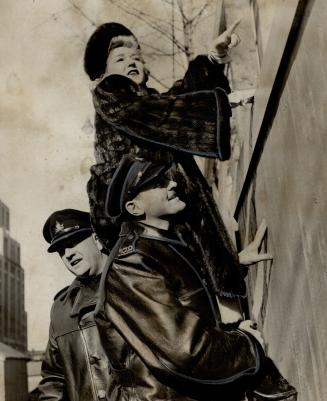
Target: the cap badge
pixel 59 227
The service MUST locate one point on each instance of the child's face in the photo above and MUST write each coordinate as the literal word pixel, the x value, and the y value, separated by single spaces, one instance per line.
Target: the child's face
pixel 126 60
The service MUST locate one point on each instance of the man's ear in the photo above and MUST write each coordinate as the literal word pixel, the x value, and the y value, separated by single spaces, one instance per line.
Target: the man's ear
pixel 134 207
pixel 97 242
pixel 146 74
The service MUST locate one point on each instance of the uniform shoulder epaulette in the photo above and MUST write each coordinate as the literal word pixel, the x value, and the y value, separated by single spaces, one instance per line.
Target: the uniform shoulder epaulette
pixel 128 247
pixel 61 292
pixel 126 250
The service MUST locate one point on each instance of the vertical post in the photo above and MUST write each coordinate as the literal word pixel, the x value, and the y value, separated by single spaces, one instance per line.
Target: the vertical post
pixel 173 35
pixel 2 378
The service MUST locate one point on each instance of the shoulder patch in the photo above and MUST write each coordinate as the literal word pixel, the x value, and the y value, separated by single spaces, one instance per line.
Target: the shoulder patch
pixel 126 250
pixel 61 292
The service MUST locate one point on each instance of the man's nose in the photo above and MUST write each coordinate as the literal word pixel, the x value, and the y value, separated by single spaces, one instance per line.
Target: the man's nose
pixel 171 185
pixel 131 63
pixel 69 253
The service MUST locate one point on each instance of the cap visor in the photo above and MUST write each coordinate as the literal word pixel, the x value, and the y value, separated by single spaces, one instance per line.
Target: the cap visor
pixel 82 233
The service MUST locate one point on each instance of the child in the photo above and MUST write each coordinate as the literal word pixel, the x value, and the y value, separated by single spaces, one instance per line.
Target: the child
pixel 190 119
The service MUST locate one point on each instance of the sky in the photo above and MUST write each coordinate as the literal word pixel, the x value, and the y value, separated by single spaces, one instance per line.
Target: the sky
pixel 46 134
pixel 44 152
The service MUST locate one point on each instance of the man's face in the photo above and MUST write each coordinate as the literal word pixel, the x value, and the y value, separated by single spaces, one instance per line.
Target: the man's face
pixel 81 257
pixel 161 200
pixel 126 60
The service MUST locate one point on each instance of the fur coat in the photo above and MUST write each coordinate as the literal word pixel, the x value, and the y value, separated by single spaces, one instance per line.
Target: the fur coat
pixel 192 118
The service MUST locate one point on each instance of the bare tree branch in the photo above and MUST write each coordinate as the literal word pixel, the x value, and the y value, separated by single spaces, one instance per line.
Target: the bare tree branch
pixel 169 2
pixel 181 10
pixel 80 11
pixel 187 30
pixel 186 25
pixel 196 18
pixel 159 52
pixel 53 17
pixel 140 15
pixel 150 17
pixel 158 81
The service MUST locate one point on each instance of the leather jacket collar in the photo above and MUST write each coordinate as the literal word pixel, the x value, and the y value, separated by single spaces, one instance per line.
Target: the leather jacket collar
pixel 143 230
pixel 82 294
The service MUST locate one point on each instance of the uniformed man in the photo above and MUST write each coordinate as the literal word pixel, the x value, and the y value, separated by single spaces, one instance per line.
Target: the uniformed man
pixel 75 367
pixel 156 293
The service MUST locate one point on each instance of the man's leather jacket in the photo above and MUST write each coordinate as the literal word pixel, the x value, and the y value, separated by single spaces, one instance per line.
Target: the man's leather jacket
pixel 160 326
pixel 75 367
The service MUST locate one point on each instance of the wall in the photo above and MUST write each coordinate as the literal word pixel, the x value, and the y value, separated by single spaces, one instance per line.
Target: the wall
pixel 289 297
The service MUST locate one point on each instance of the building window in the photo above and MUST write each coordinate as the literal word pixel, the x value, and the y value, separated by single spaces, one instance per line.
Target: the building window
pixel 12 268
pixel 7 220
pixel 2 216
pixel 5 304
pixel 12 251
pixel 5 247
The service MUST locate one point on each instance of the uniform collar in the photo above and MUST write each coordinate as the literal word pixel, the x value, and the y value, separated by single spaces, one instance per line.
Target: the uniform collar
pixel 82 294
pixel 142 230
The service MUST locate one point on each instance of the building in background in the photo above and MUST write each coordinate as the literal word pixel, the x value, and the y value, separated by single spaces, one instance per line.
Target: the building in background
pixel 13 317
pixel 13 374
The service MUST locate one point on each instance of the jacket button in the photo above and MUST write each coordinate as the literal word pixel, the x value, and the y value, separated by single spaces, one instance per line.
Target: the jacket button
pixel 101 394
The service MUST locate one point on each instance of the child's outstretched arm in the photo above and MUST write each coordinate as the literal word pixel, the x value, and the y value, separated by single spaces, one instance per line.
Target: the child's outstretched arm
pixel 224 42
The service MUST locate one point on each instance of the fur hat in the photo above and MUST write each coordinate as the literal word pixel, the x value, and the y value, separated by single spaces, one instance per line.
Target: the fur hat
pixel 96 52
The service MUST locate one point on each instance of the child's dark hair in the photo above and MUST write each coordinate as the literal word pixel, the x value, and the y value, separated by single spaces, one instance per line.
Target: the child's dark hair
pixel 96 52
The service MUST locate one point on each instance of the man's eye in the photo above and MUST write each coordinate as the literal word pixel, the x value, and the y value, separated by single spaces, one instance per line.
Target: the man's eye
pixel 162 183
pixel 119 59
pixel 61 251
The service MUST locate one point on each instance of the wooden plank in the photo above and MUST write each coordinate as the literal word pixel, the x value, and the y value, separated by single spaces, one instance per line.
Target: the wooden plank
pixel 263 12
pixel 290 194
pixel 244 65
pixel 271 63
pixel 220 18
pixel 242 73
pixel 275 65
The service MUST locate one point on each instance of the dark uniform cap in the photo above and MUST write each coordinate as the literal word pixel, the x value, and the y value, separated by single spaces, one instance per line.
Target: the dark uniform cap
pixel 64 225
pixel 131 177
pixel 96 52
